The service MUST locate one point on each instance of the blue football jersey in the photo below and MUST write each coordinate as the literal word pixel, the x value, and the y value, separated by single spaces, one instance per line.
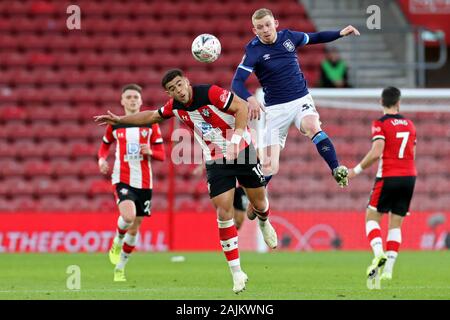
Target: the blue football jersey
pixel 277 67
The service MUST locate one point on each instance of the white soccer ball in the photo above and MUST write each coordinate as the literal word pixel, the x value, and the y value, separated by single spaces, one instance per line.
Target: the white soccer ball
pixel 206 48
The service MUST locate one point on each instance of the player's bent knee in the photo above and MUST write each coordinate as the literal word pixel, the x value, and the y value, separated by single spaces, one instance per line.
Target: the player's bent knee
pixel 127 210
pixel 224 213
pixel 261 205
pixel 310 125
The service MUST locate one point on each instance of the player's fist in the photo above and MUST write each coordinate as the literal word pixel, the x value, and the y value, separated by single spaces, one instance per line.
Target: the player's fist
pixel 351 173
pixel 348 30
pixel 103 166
pixel 145 149
pixel 109 118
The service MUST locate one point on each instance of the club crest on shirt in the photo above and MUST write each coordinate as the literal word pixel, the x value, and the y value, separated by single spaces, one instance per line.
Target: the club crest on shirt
pixel 224 96
pixel 376 129
pixel 205 112
pixel 289 45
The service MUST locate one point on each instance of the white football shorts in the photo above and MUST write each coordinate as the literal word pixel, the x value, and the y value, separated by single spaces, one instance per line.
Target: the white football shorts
pixel 279 118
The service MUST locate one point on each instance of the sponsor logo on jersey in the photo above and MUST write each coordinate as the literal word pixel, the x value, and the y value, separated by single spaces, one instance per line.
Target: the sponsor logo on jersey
pixel 208 131
pixel 289 45
pixel 133 148
pixel 205 127
pixel 266 56
pixel 133 152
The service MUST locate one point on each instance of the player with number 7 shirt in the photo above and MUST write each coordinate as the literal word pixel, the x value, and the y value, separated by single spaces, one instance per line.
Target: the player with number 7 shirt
pixel 394 145
pixel 218 119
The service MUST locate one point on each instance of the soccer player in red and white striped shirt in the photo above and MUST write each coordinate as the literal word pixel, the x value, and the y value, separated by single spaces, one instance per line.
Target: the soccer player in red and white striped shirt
pixel 131 176
pixel 218 119
pixel 393 144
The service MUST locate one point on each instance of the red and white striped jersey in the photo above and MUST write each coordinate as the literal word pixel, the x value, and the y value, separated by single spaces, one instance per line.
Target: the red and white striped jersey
pixel 399 135
pixel 206 115
pixel 131 166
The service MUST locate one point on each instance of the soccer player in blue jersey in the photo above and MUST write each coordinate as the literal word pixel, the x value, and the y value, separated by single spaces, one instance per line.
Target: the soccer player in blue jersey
pixel 272 56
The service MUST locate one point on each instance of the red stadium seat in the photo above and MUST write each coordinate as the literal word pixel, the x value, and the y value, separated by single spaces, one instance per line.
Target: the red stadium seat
pixel 40 113
pixel 80 203
pixel 83 149
pixel 21 186
pixel 25 204
pixel 54 148
pixel 88 167
pixel 146 8
pixel 46 186
pixel 104 203
pixel 12 113
pixel 64 167
pixel 7 149
pixel 72 186
pixel 37 168
pixel 9 167
pixel 100 186
pixel 52 203
pixel 8 205
pixel 27 149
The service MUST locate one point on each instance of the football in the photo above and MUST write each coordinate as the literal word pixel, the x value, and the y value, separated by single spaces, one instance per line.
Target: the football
pixel 206 48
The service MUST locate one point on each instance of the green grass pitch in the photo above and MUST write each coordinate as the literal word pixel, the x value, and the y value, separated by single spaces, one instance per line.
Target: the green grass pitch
pixel 205 276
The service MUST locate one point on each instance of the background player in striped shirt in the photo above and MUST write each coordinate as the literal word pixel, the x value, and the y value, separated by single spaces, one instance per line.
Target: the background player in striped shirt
pixel 394 145
pixel 131 176
pixel 218 119
pixel 272 56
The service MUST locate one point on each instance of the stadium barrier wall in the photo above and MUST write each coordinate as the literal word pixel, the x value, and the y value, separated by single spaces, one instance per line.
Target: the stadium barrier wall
pixel 298 231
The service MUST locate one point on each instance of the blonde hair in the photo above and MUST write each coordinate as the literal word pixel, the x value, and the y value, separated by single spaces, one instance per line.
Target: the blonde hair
pixel 261 13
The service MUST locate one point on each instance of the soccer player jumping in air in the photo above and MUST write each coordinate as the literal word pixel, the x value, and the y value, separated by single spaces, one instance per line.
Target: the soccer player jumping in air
pixel 131 176
pixel 218 119
pixel 394 145
pixel 272 56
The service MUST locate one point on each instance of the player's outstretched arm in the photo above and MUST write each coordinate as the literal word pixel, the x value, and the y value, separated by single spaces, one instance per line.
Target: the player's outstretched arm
pixel 138 119
pixel 328 36
pixel 370 158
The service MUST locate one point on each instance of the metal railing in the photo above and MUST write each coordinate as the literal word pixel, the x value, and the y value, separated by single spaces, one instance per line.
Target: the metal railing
pixel 409 42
